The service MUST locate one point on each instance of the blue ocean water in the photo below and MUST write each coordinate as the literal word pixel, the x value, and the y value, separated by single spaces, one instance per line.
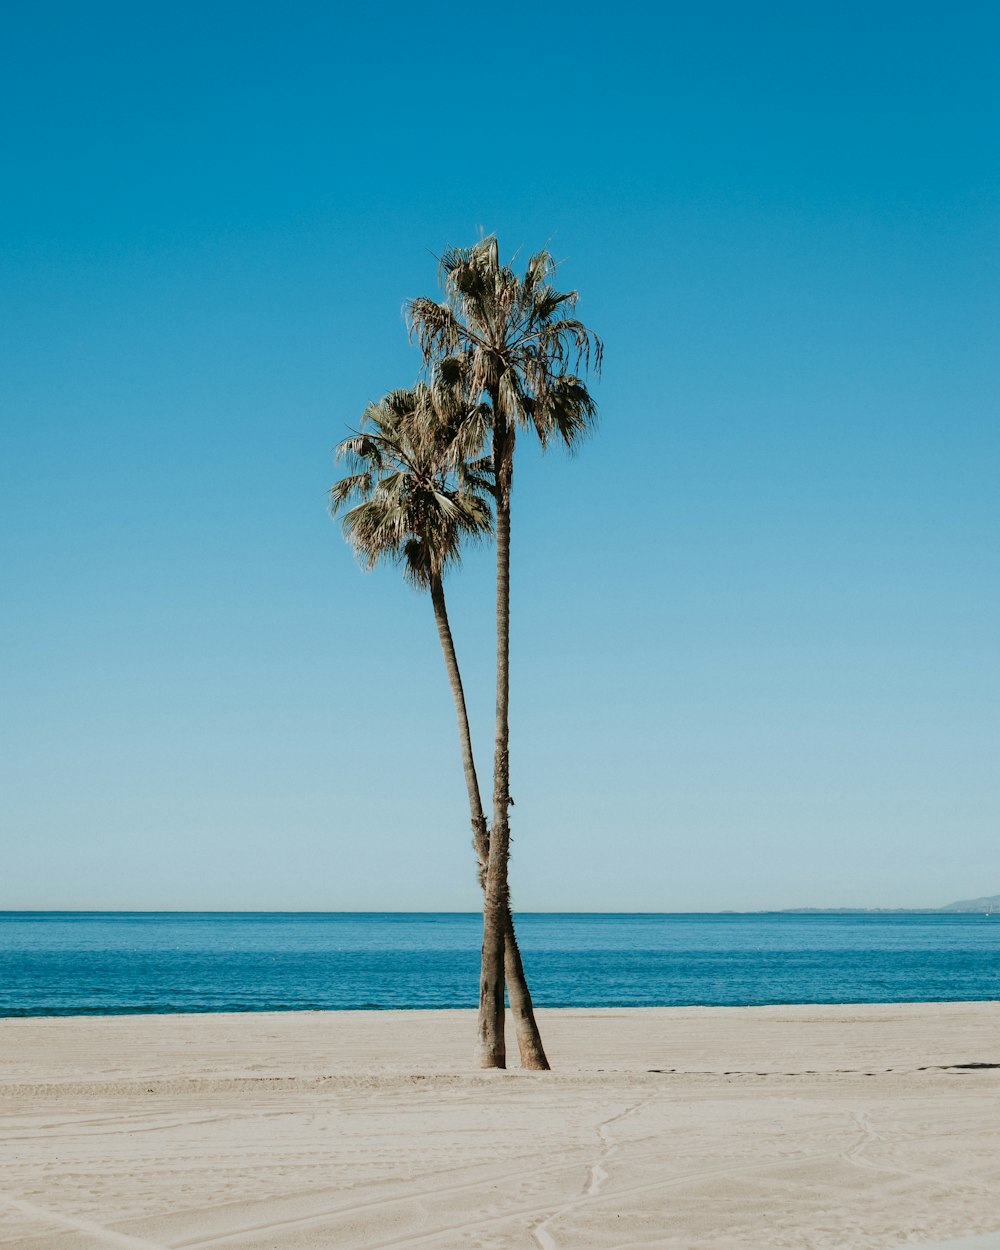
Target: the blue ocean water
pixel 80 963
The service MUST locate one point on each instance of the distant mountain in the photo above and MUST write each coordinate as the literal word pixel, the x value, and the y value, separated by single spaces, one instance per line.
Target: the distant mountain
pixel 991 904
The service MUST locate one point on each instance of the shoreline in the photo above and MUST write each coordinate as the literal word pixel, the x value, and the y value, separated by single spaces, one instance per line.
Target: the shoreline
pixel 844 1005
pixel 793 1127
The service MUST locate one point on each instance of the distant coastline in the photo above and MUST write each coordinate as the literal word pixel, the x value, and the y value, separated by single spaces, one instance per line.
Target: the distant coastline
pixel 989 905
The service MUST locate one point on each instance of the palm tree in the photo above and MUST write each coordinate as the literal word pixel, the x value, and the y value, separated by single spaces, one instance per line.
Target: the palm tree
pixel 414 503
pixel 521 348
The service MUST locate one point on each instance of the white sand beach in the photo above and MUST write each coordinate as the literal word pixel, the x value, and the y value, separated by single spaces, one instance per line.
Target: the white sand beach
pixel 688 1128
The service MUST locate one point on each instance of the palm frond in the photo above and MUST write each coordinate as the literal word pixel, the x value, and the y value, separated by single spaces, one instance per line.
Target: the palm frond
pixel 356 486
pixel 433 326
pixel 566 410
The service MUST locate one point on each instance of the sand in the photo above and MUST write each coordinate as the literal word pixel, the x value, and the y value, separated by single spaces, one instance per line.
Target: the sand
pixel 689 1128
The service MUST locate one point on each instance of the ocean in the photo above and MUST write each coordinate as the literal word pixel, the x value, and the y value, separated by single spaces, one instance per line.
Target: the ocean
pixel 111 963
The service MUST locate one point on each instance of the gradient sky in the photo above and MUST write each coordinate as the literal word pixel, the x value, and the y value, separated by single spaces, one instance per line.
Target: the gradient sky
pixel 756 621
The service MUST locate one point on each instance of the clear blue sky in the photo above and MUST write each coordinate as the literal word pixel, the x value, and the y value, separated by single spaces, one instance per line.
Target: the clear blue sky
pixel 756 621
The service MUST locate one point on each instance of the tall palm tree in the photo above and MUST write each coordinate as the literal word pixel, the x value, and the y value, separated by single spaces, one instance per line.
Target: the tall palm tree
pixel 521 348
pixel 414 503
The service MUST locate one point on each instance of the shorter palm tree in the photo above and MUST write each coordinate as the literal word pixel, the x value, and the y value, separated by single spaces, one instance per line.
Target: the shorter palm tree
pixel 412 498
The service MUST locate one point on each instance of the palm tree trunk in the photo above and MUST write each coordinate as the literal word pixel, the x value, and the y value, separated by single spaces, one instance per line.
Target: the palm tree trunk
pixel 480 834
pixel 529 1040
pixel 496 906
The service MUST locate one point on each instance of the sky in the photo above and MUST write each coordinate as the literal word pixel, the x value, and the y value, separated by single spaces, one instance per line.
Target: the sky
pixel 755 634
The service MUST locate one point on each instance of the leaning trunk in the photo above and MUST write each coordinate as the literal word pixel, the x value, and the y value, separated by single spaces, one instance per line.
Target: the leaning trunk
pixel 529 1041
pixel 480 836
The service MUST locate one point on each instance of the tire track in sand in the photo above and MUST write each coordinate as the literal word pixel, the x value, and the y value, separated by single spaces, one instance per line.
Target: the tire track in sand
pixel 78 1224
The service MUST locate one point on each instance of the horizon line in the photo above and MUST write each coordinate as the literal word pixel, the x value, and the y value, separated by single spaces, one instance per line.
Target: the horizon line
pixel 310 911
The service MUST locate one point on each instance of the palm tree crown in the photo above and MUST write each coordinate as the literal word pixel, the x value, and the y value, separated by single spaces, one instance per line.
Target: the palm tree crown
pixel 516 339
pixel 410 497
